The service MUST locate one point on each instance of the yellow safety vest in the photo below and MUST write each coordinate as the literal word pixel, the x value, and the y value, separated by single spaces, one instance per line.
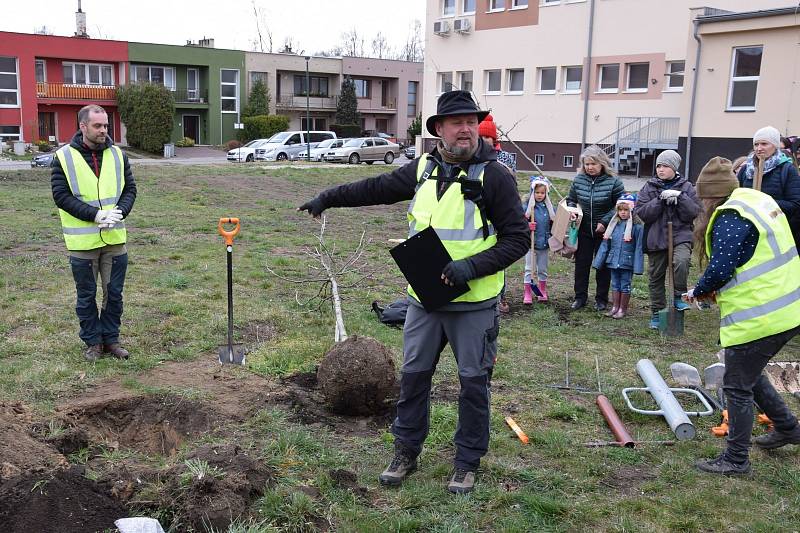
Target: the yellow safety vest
pixel 457 222
pixel 763 297
pixel 102 192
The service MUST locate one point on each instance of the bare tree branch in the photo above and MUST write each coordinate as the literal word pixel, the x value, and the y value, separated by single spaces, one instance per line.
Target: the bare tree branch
pixel 504 133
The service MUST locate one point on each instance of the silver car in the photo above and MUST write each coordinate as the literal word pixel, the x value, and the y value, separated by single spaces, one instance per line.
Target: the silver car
pixel 366 149
pixel 320 150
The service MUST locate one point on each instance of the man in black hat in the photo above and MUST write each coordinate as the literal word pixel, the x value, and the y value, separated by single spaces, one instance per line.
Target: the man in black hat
pixel 472 203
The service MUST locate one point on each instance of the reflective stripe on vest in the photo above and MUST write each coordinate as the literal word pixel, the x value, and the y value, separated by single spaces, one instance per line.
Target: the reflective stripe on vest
pixel 458 224
pixel 102 192
pixel 763 297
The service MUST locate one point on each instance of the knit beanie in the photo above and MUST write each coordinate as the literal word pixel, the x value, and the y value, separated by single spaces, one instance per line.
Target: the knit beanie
pixel 487 128
pixel 536 181
pixel 669 158
pixel 768 134
pixel 629 199
pixel 716 180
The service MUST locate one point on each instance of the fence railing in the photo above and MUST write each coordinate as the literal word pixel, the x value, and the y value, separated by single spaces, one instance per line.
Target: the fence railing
pixel 299 102
pixel 190 96
pixel 75 92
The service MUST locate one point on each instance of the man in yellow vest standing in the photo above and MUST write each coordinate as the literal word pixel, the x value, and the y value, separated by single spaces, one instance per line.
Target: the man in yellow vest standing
pixel 94 190
pixel 754 274
pixel 471 201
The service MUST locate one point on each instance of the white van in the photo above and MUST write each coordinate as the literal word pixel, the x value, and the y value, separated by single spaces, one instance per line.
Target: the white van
pixel 287 144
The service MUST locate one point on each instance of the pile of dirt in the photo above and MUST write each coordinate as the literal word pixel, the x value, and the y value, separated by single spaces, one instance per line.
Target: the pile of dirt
pixel 357 377
pixel 214 486
pixel 67 502
pixel 20 451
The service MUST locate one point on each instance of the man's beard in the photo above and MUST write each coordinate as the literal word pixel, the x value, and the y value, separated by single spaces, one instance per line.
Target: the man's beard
pixel 459 151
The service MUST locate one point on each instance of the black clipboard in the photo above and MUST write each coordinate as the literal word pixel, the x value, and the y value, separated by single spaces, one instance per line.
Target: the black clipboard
pixel 421 259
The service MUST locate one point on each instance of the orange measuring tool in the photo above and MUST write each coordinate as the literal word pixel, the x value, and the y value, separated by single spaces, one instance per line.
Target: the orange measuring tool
pixel 513 425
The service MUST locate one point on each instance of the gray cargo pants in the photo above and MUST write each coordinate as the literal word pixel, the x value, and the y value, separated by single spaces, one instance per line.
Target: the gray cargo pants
pixel 473 337
pixel 657 272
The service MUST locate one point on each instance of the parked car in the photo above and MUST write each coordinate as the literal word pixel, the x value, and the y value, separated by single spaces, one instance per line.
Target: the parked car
pixel 366 149
pixel 246 153
pixel 411 152
pixel 43 160
pixel 287 144
pixel 321 148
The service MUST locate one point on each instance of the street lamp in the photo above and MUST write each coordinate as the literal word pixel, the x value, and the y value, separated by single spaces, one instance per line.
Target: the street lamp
pixel 308 116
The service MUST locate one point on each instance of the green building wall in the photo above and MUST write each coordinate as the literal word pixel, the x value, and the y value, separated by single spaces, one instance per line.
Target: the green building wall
pixel 215 126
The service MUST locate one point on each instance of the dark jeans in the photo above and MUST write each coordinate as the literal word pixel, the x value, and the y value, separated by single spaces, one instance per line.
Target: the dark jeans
pixel 473 337
pixel 744 382
pixel 103 327
pixel 587 249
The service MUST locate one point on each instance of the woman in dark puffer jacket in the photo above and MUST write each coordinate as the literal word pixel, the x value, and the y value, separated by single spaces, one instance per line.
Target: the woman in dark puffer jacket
pixel 596 189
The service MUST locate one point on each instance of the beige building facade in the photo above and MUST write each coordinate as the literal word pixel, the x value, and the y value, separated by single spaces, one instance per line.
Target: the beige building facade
pixel 387 91
pixel 559 74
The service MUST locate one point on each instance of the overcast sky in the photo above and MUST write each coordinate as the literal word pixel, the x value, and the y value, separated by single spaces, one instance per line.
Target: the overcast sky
pixel 313 25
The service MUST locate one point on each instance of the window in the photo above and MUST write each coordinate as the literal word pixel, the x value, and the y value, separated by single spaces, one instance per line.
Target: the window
pixel 9 89
pixel 568 161
pixel 413 87
pixel 549 2
pixel 538 159
pixel 638 77
pixel 465 80
pixel 497 5
pixel 192 84
pixel 675 75
pixel 362 88
pixel 319 85
pixel 229 90
pixel 468 7
pixel 41 71
pixel 519 4
pixel 445 81
pixel 745 73
pixel 493 82
pixel 315 124
pixel 572 79
pixel 88 74
pixel 9 133
pixel 255 76
pixel 381 142
pixel 448 8
pixel 609 78
pixel 382 124
pixel 516 81
pixel 153 74
pixel 547 80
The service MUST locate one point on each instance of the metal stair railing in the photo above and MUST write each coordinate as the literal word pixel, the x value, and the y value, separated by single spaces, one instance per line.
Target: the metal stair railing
pixel 638 133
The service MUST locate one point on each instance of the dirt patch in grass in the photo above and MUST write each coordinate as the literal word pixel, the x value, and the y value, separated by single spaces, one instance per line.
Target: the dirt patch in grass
pixel 21 452
pixel 628 480
pixel 256 332
pixel 66 502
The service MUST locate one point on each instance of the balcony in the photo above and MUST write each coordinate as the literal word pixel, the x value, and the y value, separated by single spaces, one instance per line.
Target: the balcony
pixel 65 91
pixel 191 96
pixel 298 102
pixel 387 106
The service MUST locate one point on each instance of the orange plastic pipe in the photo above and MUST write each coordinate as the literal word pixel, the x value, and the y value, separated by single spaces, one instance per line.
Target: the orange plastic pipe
pixel 614 422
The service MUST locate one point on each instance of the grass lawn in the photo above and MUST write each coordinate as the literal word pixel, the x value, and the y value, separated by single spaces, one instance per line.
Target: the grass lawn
pixel 175 312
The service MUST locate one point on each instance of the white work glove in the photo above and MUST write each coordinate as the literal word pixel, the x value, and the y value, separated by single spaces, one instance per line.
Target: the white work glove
pixel 107 218
pixel 670 196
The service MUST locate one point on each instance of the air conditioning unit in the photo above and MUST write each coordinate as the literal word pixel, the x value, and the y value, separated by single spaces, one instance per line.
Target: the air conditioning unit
pixel 461 25
pixel 441 27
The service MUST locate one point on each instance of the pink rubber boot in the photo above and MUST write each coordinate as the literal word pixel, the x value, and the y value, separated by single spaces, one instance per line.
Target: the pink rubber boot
pixel 543 290
pixel 527 298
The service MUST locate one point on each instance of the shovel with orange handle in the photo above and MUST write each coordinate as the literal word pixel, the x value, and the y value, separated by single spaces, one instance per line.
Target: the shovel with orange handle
pixel 230 353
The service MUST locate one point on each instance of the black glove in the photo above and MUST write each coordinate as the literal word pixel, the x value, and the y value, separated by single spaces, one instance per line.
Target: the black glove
pixel 315 207
pixel 458 272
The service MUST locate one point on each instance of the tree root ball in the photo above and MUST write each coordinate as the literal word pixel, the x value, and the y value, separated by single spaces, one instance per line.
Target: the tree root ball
pixel 357 377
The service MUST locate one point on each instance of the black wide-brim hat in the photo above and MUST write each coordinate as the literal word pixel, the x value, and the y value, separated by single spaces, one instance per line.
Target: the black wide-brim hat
pixel 454 103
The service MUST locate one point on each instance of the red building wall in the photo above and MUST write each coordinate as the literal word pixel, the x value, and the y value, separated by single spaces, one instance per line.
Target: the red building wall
pixel 55 50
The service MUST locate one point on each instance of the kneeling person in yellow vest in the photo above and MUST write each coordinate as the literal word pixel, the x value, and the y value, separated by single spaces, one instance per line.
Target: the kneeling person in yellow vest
pixel 94 190
pixel 754 274
pixel 471 201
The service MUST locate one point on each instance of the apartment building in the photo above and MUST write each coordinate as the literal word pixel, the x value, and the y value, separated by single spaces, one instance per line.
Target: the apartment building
pixel 45 80
pixel 559 74
pixel 387 91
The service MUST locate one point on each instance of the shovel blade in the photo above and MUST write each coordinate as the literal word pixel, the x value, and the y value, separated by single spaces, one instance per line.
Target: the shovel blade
pixel 232 355
pixel 784 375
pixel 670 322
pixel 685 375
pixel 714 374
